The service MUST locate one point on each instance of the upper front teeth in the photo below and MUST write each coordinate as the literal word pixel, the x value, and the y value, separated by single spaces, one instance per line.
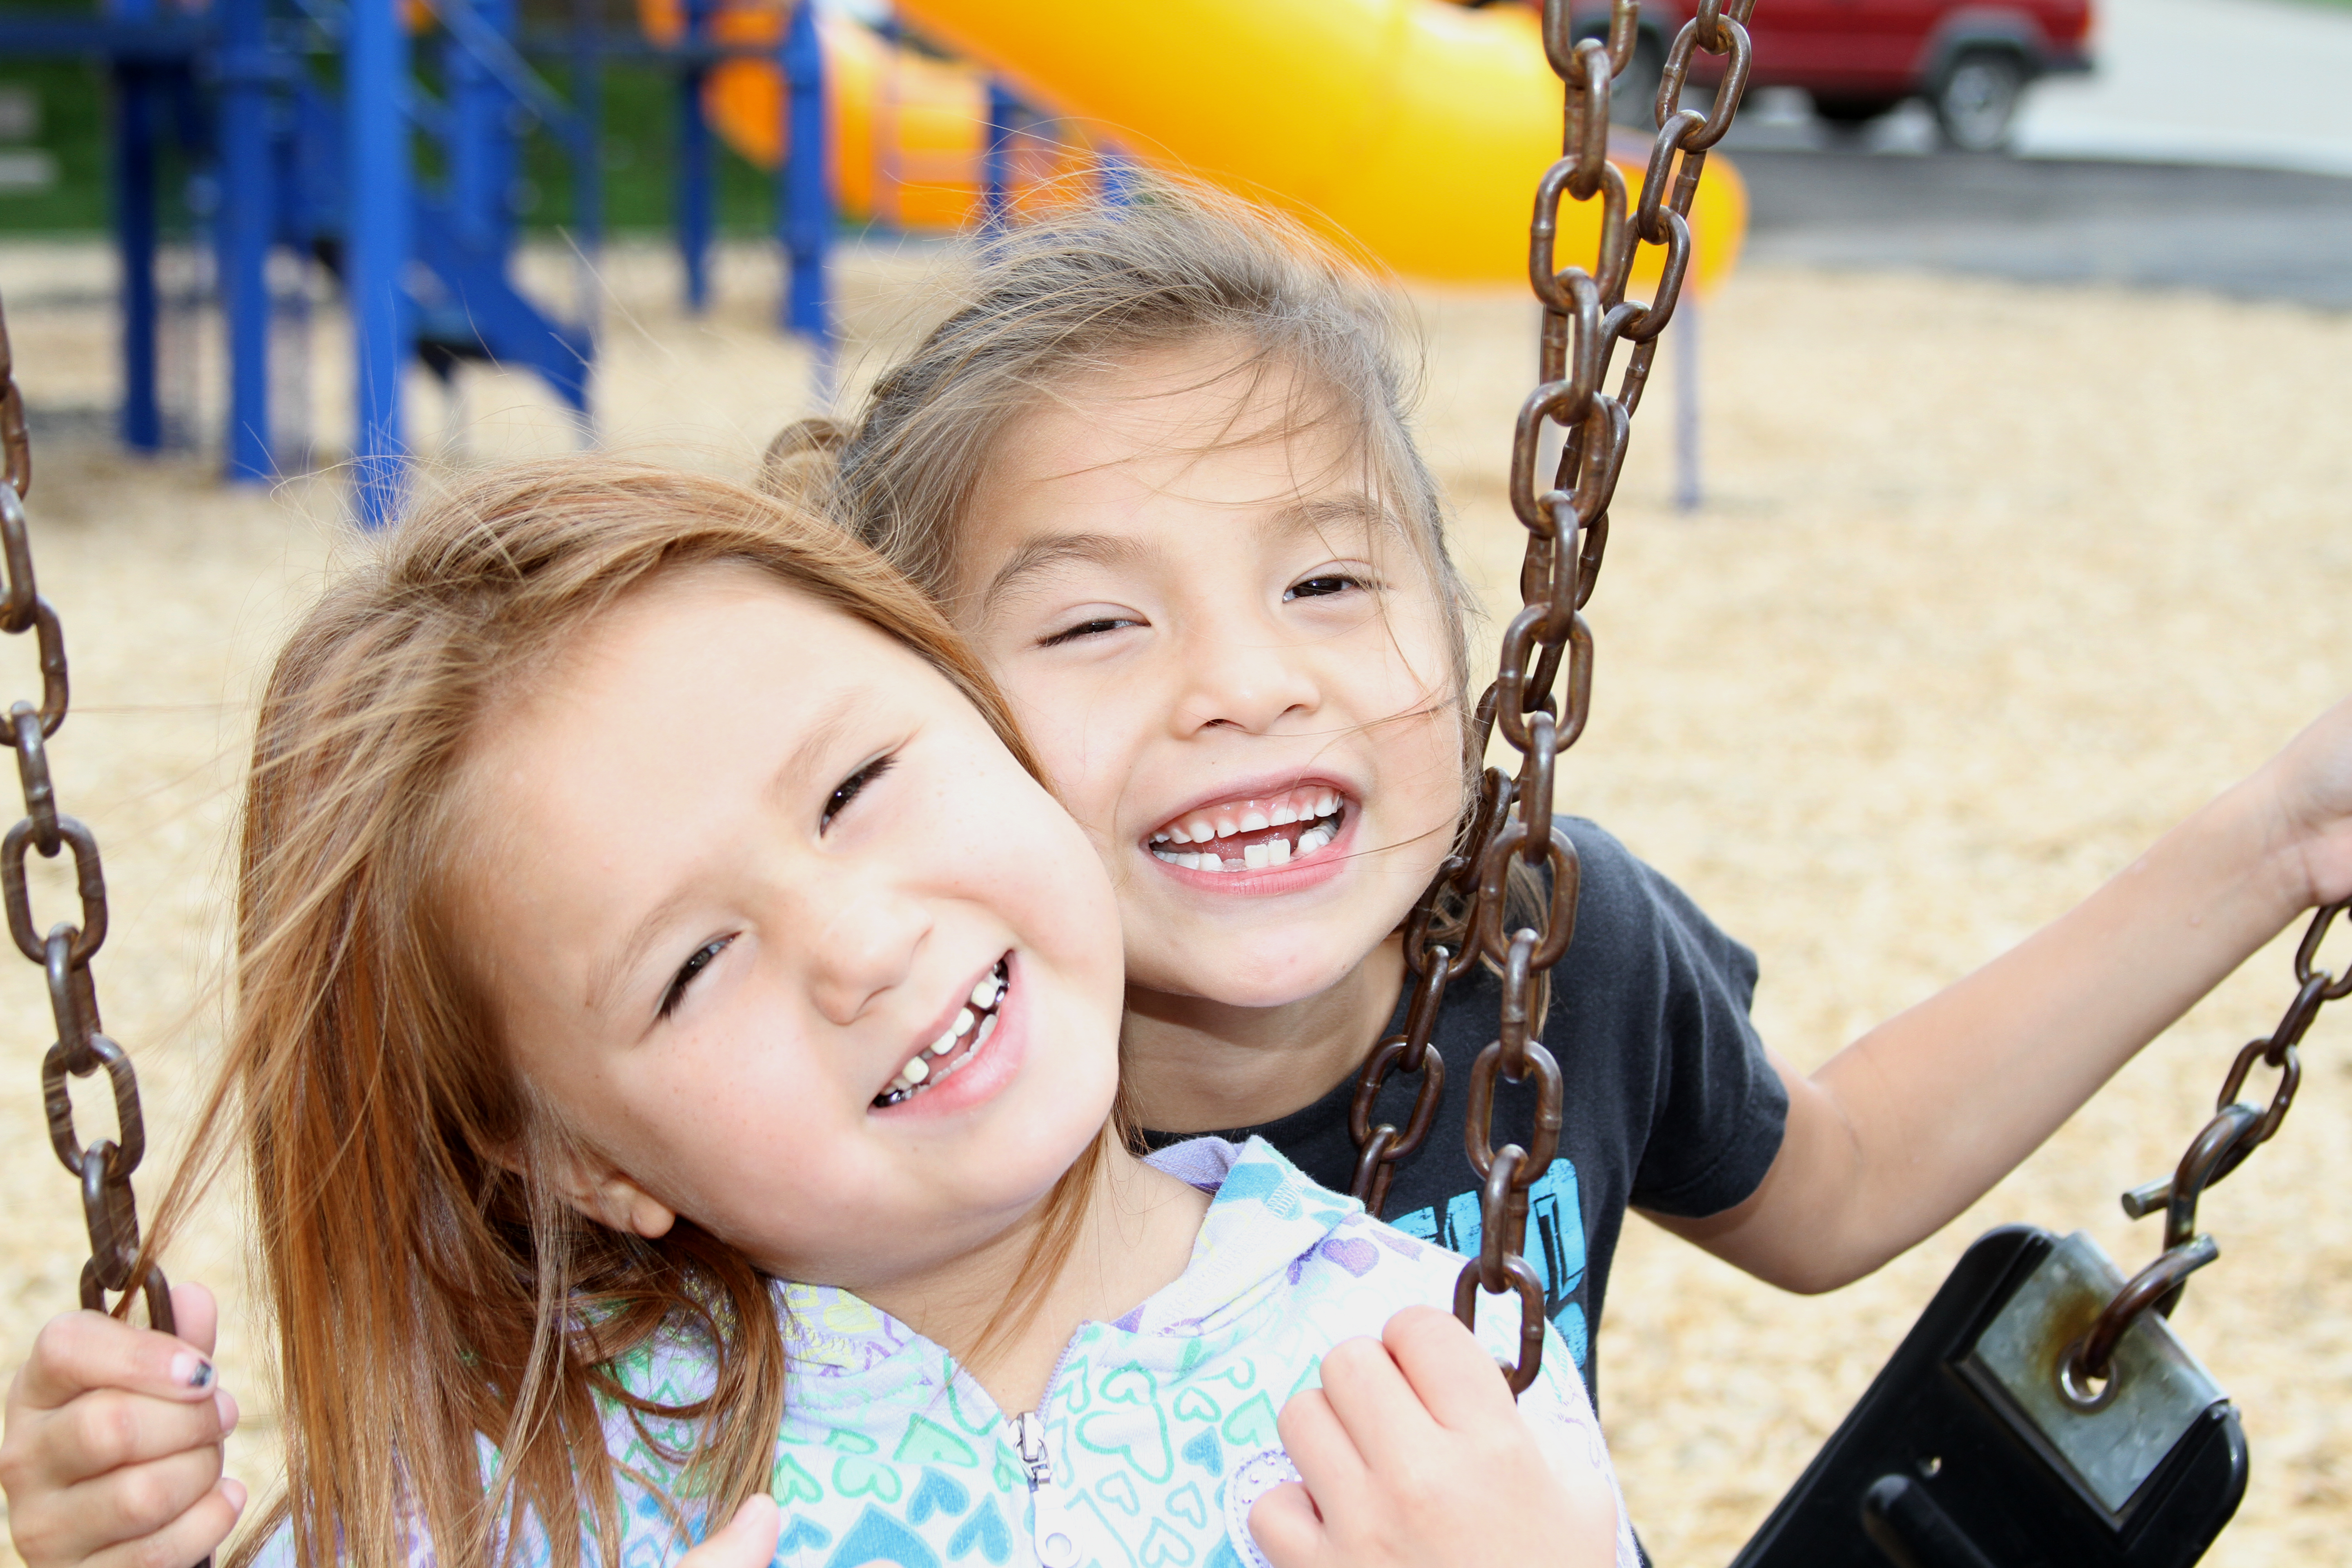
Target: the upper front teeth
pixel 946 1042
pixel 985 993
pixel 1249 816
pixel 1270 852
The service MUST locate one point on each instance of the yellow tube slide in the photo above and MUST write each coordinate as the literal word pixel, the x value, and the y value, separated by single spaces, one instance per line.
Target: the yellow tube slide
pixel 908 131
pixel 1413 128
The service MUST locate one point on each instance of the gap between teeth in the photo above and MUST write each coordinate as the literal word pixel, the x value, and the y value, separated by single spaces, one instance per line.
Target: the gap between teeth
pixel 1201 827
pixel 1254 857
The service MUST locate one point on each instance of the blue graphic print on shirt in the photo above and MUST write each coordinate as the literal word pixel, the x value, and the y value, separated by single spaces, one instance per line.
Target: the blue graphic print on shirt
pixel 1555 1249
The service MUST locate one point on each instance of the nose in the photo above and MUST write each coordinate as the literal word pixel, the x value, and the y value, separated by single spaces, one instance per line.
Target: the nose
pixel 1245 676
pixel 861 950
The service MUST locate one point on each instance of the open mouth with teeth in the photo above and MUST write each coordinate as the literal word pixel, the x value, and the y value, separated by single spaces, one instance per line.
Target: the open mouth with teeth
pixel 1252 834
pixel 957 1045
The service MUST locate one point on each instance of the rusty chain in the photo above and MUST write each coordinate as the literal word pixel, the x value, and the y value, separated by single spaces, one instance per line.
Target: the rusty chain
pixel 104 1165
pixel 2221 1146
pixel 1460 920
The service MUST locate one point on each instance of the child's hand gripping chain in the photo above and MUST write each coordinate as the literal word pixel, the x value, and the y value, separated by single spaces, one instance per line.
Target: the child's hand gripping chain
pixel 1412 1453
pixel 113 1447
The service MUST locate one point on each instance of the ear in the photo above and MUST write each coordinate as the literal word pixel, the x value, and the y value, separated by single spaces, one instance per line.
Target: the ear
pixel 606 1193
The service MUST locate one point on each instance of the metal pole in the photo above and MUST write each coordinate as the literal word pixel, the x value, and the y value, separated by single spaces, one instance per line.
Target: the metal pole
pixel 587 157
pixel 1685 329
pixel 1115 171
pixel 805 196
pixel 248 215
pixel 480 143
pixel 694 192
pixel 1003 119
pixel 375 76
pixel 134 238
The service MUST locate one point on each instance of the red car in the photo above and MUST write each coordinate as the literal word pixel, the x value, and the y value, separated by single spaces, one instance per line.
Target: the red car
pixel 1970 60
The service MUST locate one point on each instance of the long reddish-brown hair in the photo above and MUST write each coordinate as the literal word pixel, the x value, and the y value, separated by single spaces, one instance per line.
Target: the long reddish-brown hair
pixel 446 1325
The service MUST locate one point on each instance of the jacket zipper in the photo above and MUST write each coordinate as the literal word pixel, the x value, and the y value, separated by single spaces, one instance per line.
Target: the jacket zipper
pixel 1054 1544
pixel 1029 1439
pixel 1029 1427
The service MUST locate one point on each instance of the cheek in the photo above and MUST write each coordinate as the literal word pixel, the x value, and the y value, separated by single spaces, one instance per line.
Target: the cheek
pixel 1084 741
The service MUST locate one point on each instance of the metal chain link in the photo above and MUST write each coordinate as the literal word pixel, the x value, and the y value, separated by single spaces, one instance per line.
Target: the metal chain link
pixel 2221 1146
pixel 1460 919
pixel 104 1165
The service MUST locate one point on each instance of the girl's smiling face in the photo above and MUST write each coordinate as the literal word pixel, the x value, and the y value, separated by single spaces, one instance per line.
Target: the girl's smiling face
pixel 784 935
pixel 1233 665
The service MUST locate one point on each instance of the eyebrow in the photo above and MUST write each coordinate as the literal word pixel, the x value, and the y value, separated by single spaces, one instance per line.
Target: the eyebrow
pixel 1052 549
pixel 605 977
pixel 1048 551
pixel 1354 507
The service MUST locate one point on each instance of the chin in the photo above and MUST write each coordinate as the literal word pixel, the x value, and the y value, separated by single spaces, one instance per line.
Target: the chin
pixel 1266 980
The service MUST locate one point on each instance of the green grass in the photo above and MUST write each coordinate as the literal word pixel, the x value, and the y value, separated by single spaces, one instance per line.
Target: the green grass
pixel 640 153
pixel 641 124
pixel 71 98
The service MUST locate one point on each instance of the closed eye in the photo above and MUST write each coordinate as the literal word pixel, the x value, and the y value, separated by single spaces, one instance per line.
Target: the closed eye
pixel 700 960
pixel 1093 629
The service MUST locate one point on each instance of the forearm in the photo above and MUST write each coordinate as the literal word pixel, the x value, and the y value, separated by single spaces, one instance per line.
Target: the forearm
pixel 1914 1120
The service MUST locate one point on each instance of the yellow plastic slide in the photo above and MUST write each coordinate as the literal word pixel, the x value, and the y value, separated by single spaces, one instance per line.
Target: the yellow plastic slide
pixel 1416 129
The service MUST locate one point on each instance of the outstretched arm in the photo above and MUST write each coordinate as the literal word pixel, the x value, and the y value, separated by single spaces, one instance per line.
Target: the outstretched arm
pixel 1914 1122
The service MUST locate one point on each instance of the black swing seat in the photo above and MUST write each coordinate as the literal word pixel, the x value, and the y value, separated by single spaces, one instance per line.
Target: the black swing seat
pixel 1967 1453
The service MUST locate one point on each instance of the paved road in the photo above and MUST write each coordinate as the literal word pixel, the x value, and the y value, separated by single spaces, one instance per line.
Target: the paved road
pixel 2211 149
pixel 2264 83
pixel 2265 234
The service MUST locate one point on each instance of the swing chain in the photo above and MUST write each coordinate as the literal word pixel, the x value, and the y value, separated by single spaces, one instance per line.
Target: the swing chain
pixel 2221 1146
pixel 1510 838
pixel 104 1165
pixel 15 447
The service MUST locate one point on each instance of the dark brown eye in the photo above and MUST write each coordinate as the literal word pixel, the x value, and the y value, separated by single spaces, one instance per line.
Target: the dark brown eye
pixel 1093 629
pixel 695 965
pixel 851 787
pixel 1320 587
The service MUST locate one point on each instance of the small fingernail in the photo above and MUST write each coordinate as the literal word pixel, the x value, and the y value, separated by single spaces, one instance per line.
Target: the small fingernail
pixel 225 1403
pixel 192 1370
pixel 233 1490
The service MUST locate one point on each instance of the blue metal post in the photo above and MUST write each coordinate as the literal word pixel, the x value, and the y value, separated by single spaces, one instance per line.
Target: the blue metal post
pixel 247 212
pixel 996 173
pixel 137 125
pixel 694 182
pixel 483 147
pixel 1115 173
pixel 377 222
pixel 587 149
pixel 587 126
pixel 805 190
pixel 134 237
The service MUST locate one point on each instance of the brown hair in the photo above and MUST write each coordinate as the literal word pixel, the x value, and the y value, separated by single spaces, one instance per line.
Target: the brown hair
pixel 1079 292
pixel 439 1309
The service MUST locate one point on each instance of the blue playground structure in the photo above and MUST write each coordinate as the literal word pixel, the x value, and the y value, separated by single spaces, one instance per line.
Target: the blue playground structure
pixel 312 119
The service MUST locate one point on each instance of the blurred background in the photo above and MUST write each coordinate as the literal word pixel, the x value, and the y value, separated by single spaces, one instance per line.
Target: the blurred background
pixel 1988 514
